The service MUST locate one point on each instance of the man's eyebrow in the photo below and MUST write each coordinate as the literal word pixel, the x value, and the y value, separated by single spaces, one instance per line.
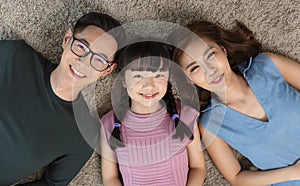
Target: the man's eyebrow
pixel 85 42
pixel 88 44
pixel 189 65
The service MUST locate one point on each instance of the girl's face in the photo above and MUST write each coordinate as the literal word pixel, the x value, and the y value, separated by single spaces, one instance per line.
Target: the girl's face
pixel 206 65
pixel 146 89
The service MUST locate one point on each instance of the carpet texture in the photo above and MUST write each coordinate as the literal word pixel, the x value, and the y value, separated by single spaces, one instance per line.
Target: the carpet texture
pixel 42 24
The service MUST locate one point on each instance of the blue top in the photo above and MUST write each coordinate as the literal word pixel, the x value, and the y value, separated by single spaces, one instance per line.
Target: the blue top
pixel 268 145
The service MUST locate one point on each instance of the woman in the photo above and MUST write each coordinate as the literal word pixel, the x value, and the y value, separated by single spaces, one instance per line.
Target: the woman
pixel 249 101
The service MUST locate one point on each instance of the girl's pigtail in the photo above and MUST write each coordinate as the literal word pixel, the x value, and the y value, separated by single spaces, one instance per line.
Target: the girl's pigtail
pixel 115 138
pixel 120 110
pixel 181 128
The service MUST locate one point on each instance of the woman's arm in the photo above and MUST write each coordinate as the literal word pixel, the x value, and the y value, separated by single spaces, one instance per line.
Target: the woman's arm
pixel 289 68
pixel 197 170
pixel 228 165
pixel 109 166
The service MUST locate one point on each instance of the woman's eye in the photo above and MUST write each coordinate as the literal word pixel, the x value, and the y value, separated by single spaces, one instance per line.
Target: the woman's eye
pixel 210 54
pixel 194 68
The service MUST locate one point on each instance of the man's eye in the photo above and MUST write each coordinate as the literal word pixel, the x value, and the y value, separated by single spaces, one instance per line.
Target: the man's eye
pixel 81 46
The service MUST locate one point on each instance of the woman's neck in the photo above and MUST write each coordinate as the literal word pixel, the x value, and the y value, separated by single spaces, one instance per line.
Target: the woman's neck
pixel 236 90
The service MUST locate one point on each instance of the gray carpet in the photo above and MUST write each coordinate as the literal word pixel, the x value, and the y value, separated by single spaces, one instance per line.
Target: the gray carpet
pixel 42 24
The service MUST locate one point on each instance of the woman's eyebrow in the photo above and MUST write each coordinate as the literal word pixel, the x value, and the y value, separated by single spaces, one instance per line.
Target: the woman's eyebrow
pixel 189 65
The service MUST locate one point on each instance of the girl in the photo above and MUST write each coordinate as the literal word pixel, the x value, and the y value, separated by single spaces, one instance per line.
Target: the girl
pixel 249 102
pixel 148 134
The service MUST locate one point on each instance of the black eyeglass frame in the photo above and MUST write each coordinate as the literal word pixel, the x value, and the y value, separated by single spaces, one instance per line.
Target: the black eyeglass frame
pixel 105 60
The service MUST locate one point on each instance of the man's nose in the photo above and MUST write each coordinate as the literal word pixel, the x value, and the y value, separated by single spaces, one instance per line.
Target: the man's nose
pixel 85 60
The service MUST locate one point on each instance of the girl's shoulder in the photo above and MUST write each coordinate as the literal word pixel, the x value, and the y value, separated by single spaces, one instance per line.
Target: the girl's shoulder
pixel 108 120
pixel 182 107
pixel 187 114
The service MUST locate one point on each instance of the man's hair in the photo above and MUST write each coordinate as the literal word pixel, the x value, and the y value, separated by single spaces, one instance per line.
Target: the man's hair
pixel 103 21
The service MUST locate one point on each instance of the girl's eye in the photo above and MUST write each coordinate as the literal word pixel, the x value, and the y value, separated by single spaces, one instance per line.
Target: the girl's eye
pixel 137 76
pixel 159 76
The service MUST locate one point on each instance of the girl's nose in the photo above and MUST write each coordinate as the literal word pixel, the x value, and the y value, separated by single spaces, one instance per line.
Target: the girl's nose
pixel 148 81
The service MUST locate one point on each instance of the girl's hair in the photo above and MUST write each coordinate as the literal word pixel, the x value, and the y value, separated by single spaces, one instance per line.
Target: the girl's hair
pixel 239 43
pixel 145 55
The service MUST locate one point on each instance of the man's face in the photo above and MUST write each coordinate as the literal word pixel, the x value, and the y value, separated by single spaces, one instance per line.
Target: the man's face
pixel 77 71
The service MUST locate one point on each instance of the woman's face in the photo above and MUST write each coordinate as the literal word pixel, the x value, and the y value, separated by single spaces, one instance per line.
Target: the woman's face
pixel 206 65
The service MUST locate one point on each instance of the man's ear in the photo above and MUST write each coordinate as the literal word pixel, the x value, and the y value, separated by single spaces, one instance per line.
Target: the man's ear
pixel 67 38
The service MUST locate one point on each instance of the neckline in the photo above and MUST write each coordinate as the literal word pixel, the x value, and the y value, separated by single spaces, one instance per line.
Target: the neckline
pixel 144 122
pixel 244 68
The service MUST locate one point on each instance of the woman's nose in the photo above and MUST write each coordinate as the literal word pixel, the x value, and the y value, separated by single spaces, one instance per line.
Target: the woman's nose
pixel 208 67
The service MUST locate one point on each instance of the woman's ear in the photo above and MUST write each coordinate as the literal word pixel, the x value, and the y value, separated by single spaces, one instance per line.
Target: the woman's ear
pixel 67 38
pixel 224 50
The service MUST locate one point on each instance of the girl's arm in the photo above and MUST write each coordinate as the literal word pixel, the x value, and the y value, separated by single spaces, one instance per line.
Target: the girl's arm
pixel 228 165
pixel 109 166
pixel 197 170
pixel 289 68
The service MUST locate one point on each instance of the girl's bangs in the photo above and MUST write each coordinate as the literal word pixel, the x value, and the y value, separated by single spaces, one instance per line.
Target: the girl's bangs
pixel 150 63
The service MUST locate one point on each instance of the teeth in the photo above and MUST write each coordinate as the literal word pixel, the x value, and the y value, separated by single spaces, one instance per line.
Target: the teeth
pixel 217 79
pixel 77 73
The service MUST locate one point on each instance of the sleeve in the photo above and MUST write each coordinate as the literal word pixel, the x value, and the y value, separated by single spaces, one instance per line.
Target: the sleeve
pixel 8 49
pixel 189 116
pixel 61 171
pixel 107 124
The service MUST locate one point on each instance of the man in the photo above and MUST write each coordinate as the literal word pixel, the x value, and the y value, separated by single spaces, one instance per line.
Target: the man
pixel 38 126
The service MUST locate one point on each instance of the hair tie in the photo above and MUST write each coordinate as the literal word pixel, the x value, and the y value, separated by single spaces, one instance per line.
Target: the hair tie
pixel 117 125
pixel 175 116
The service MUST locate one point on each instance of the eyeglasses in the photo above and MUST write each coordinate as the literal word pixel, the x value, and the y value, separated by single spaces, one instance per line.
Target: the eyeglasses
pixel 98 61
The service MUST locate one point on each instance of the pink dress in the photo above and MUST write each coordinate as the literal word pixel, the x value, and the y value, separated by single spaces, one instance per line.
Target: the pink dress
pixel 151 156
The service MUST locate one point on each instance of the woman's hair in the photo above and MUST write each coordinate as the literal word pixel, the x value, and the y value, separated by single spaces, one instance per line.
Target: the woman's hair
pixel 145 54
pixel 239 42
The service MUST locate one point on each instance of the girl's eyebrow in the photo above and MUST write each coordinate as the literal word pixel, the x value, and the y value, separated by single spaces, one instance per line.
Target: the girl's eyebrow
pixel 189 65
